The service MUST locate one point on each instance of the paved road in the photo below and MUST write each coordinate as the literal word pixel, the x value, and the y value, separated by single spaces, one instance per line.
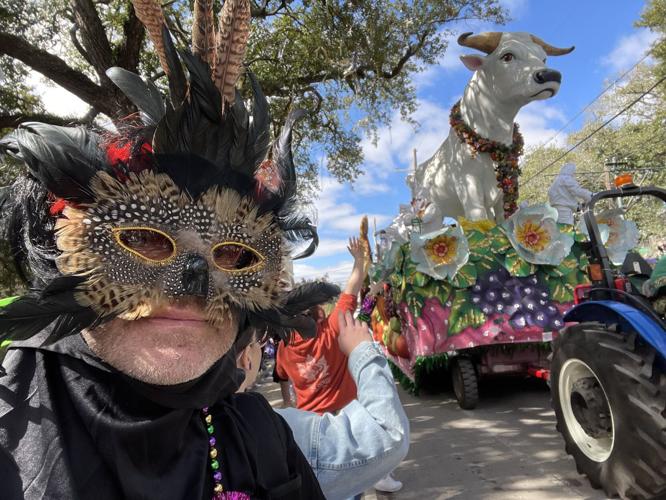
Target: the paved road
pixel 506 449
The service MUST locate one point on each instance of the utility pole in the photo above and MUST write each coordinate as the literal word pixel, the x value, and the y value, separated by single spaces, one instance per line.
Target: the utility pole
pixel 613 167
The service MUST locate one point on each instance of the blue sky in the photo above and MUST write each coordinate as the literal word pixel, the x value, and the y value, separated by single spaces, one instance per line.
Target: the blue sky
pixel 606 43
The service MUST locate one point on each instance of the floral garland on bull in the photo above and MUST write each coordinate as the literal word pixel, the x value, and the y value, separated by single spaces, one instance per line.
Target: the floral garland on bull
pixel 505 157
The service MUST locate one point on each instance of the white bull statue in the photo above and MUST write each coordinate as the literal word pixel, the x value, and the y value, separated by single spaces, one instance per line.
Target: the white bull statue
pixel 462 180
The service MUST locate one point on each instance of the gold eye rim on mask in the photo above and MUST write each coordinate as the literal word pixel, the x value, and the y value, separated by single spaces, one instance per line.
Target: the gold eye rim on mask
pixel 117 233
pixel 252 268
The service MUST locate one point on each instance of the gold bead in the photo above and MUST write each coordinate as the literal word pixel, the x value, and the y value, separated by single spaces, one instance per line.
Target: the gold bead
pixel 218 488
pixel 209 419
pixel 213 453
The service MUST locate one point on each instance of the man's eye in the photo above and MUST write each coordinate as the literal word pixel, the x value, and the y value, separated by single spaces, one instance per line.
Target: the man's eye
pixel 148 243
pixel 507 57
pixel 231 256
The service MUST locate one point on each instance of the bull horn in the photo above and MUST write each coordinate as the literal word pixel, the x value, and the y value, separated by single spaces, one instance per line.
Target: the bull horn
pixel 549 49
pixel 485 42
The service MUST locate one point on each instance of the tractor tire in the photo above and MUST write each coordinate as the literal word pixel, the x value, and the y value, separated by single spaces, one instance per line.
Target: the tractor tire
pixel 465 383
pixel 609 396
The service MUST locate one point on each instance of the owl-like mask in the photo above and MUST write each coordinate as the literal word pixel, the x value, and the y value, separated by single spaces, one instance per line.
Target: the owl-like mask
pixel 145 240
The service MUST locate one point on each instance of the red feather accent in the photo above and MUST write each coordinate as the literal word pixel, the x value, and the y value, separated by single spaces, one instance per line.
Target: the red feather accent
pixel 57 207
pixel 123 157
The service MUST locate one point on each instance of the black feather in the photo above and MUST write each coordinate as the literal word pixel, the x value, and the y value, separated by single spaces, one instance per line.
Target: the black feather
pixel 240 120
pixel 283 201
pixel 177 81
pixel 283 325
pixel 196 175
pixel 310 294
pixel 298 228
pixel 144 95
pixel 63 159
pixel 31 313
pixel 259 134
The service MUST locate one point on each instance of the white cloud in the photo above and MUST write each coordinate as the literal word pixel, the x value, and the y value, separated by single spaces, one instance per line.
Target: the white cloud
pixel 330 246
pixel 368 184
pixel 446 64
pixel 629 50
pixel 337 273
pixel 352 223
pixel 337 216
pixel 539 122
pixel 397 141
pixel 56 99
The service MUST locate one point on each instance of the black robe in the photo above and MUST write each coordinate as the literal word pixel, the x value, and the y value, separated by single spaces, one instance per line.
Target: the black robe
pixel 72 427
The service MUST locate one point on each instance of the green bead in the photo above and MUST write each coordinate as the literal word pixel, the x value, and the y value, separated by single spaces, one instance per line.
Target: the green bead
pixel 214 465
pixel 210 429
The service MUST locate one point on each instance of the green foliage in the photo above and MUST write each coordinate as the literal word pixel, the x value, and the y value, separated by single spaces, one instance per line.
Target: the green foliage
pixel 351 63
pixel 465 277
pixel 517 266
pixel 463 313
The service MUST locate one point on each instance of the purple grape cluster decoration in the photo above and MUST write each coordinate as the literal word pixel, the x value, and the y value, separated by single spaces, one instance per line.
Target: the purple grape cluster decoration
pixel 524 300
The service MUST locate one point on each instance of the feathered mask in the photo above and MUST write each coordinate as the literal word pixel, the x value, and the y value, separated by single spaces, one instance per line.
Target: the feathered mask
pixel 194 202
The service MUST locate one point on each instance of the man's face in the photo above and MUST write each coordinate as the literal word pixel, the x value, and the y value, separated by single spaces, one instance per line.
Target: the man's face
pixel 174 344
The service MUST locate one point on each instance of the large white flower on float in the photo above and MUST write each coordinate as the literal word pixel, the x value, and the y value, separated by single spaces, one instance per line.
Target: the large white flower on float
pixel 440 253
pixel 623 234
pixel 534 233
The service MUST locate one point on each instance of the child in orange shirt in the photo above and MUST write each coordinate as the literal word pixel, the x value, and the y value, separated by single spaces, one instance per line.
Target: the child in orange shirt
pixel 316 367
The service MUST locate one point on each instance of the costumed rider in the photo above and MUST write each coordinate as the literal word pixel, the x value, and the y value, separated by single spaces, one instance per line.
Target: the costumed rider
pixel 150 254
pixel 565 194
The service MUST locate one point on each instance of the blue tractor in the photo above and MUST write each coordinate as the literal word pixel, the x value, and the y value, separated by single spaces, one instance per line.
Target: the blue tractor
pixel 608 371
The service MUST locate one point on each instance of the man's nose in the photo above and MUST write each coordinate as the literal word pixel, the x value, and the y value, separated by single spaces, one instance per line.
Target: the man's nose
pixel 195 276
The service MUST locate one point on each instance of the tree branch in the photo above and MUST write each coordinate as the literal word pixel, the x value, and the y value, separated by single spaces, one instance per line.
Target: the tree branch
pixel 57 70
pixel 129 52
pixel 93 36
pixel 77 44
pixel 411 51
pixel 262 12
pixel 14 120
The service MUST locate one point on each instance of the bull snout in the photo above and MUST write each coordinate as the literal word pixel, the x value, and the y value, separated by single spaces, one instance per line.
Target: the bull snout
pixel 547 75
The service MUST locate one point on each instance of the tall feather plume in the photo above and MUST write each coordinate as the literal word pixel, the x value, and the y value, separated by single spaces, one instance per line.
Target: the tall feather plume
pixel 203 31
pixel 259 126
pixel 151 16
pixel 232 35
pixel 284 202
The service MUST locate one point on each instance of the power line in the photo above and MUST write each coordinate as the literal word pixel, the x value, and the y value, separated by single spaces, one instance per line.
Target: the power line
pixel 623 110
pixel 610 86
pixel 594 172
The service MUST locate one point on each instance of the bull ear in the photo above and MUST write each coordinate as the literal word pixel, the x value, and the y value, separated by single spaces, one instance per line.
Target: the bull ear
pixel 472 62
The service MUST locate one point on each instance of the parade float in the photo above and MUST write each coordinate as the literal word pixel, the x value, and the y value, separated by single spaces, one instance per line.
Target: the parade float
pixel 474 283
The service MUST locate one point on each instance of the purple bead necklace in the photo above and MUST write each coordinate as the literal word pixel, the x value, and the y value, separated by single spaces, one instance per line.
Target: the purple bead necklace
pixel 218 488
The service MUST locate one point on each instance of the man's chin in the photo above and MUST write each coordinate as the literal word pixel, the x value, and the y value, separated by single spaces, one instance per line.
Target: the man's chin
pixel 169 368
pixel 160 352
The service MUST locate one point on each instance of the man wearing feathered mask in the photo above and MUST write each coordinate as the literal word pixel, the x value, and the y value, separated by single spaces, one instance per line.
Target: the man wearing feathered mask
pixel 148 253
